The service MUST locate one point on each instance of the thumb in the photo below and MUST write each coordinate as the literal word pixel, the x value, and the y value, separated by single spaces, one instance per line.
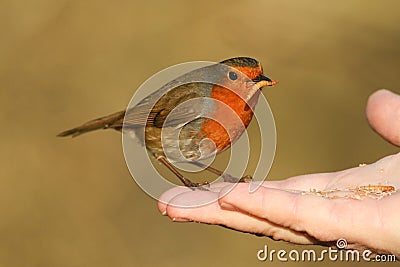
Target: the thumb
pixel 383 114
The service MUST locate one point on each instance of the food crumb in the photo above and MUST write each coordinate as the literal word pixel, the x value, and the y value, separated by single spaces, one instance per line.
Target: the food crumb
pixel 355 192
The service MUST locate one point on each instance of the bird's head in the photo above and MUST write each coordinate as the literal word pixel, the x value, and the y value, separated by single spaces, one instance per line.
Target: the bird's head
pixel 250 68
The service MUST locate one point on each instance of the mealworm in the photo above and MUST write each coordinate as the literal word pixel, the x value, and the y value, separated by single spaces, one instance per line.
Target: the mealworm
pixel 377 188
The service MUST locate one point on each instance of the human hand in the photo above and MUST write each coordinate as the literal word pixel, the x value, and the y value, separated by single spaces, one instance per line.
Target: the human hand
pixel 338 206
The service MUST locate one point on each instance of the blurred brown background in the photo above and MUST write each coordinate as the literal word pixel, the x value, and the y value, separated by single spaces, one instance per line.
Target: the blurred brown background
pixel 72 202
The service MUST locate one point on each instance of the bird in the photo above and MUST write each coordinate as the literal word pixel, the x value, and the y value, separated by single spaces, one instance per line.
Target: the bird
pixel 214 103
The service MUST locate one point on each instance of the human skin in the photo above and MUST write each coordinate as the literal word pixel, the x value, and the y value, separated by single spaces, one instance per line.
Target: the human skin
pixel 280 210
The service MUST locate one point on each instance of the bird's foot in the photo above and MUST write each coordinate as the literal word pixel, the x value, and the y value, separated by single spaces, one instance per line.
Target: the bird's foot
pixel 246 179
pixel 231 179
pixel 201 186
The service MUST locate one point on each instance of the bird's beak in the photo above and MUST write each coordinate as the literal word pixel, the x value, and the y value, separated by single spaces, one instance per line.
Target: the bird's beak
pixel 262 81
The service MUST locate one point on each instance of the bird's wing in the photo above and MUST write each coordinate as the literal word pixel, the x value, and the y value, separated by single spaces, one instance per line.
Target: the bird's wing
pixel 154 109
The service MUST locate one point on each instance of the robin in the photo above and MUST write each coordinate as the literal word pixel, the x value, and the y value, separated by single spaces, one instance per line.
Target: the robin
pixel 213 103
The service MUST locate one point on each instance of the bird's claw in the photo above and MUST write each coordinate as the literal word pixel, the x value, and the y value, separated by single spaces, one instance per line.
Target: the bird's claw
pixel 201 186
pixel 230 179
pixel 246 179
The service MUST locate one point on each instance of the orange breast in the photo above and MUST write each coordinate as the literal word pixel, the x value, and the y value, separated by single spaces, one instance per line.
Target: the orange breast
pixel 216 131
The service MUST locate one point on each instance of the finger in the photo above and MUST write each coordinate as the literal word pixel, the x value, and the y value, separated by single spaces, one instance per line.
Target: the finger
pixel 168 195
pixel 196 198
pixel 295 184
pixel 322 218
pixel 383 114
pixel 214 214
pixel 318 181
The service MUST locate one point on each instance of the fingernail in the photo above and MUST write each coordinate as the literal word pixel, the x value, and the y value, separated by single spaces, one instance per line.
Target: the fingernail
pixel 227 206
pixel 180 220
pixel 164 213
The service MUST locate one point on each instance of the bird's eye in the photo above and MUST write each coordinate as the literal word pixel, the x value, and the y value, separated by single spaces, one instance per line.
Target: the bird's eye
pixel 232 75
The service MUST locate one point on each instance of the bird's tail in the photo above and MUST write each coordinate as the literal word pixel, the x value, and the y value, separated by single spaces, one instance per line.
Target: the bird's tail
pixel 114 121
